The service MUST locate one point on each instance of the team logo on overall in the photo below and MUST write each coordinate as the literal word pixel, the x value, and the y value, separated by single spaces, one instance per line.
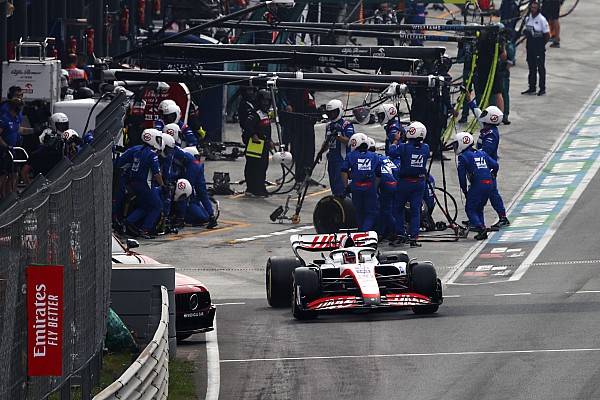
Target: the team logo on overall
pixel 416 160
pixel 364 164
pixel 181 185
pixel 494 118
pixel 480 162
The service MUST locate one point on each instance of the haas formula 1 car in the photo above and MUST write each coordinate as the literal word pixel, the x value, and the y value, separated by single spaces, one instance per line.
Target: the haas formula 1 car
pixel 353 275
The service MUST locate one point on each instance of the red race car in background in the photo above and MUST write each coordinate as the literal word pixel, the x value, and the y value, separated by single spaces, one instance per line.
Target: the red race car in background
pixel 194 311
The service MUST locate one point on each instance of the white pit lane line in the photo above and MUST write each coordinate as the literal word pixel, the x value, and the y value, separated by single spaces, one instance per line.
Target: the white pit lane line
pixel 400 355
pixel 213 370
pixel 456 272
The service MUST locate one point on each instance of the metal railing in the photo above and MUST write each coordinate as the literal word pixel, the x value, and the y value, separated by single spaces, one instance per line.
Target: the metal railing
pixel 148 376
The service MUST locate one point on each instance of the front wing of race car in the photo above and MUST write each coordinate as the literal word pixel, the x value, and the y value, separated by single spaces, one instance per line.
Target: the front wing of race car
pixel 385 301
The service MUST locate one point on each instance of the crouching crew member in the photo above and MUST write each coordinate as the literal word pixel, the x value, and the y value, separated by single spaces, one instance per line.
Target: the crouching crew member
pixel 474 166
pixel 412 159
pixel 365 169
pixel 146 183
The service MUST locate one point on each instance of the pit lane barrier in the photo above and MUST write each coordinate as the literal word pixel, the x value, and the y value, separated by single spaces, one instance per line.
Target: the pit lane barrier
pixel 148 376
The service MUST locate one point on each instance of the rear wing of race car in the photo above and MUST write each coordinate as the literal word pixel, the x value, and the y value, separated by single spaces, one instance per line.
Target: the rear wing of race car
pixel 331 241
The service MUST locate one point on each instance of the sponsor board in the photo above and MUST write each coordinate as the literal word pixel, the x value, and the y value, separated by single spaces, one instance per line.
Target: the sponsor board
pixel 44 320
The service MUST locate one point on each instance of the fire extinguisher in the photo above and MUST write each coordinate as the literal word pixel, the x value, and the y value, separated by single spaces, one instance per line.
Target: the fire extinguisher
pixel 141 12
pixel 125 21
pixel 72 48
pixel 156 7
pixel 90 40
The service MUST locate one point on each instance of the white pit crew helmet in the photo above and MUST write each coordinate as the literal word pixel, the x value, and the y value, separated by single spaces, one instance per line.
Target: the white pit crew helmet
pixel 168 145
pixel 462 141
pixel 334 110
pixel 357 140
pixel 416 130
pixel 385 113
pixel 59 122
pixel 372 144
pixel 69 133
pixel 192 150
pixel 153 138
pixel 491 115
pixel 174 131
pixel 183 190
pixel 171 113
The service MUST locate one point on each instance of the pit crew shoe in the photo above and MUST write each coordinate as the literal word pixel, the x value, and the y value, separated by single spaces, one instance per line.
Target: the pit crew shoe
pixel 400 240
pixel 482 234
pixel 502 222
pixel 414 243
pixel 147 235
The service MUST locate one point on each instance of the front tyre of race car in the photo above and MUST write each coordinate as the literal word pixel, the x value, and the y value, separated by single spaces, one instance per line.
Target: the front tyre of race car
pixel 279 280
pixel 425 282
pixel 307 288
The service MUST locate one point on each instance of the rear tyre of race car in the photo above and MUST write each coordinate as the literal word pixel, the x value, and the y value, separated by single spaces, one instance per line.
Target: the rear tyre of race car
pixel 306 289
pixel 387 257
pixel 333 213
pixel 425 282
pixel 279 280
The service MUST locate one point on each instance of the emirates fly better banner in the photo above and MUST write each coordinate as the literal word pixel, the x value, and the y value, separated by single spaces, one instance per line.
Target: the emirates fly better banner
pixel 44 320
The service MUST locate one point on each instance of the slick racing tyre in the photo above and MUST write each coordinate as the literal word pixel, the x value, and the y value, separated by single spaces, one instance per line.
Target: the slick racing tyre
pixel 333 213
pixel 306 289
pixel 279 280
pixel 388 257
pixel 424 281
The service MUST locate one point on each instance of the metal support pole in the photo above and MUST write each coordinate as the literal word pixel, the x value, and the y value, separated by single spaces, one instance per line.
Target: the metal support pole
pixel 20 19
pixel 96 14
pixel 114 10
pixel 3 43
pixel 39 19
